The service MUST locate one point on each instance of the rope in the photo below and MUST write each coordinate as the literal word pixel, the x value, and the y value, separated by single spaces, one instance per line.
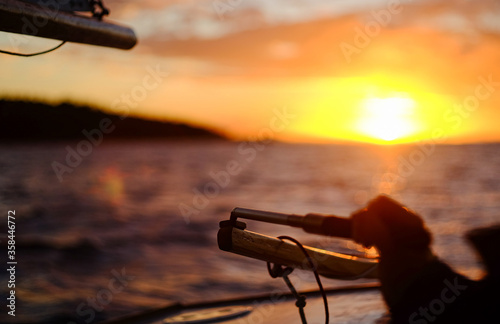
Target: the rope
pixel 301 299
pixel 278 271
pixel 33 54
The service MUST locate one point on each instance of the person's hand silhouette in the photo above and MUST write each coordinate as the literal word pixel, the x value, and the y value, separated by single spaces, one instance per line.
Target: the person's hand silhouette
pixel 402 240
pixel 390 227
pixel 413 279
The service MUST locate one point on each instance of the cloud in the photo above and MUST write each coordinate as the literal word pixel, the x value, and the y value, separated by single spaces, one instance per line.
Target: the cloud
pixel 215 18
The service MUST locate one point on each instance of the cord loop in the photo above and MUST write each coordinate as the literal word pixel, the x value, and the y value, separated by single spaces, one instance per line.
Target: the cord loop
pixel 278 270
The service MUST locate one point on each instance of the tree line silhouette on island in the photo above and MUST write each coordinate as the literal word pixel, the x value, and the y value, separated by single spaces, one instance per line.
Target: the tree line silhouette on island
pixel 36 121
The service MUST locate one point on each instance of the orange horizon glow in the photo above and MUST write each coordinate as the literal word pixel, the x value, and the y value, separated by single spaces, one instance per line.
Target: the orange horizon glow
pixel 382 110
pixel 327 110
pixel 233 85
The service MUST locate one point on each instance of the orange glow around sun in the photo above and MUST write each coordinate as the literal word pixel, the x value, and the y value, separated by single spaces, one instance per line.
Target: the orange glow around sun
pixel 376 109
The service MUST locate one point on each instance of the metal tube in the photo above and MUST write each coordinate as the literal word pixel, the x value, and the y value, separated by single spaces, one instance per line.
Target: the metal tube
pixel 329 225
pixel 262 216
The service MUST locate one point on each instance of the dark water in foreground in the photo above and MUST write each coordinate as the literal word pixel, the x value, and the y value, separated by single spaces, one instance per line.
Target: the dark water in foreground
pixel 131 227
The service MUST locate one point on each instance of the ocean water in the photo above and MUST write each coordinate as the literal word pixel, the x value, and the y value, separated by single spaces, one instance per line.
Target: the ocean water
pixel 132 225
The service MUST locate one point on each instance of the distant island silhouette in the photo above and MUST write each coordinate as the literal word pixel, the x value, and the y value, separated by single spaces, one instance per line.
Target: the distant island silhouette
pixel 37 121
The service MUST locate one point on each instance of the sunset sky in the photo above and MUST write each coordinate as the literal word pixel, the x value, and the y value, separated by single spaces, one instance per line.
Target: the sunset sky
pixel 371 71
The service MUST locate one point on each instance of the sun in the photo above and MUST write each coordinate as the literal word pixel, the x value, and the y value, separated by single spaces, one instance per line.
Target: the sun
pixel 387 119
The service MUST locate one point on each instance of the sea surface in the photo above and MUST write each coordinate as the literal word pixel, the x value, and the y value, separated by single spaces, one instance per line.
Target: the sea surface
pixel 131 226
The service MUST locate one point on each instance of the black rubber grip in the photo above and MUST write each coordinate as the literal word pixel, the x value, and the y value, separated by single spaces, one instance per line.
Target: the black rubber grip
pixel 327 225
